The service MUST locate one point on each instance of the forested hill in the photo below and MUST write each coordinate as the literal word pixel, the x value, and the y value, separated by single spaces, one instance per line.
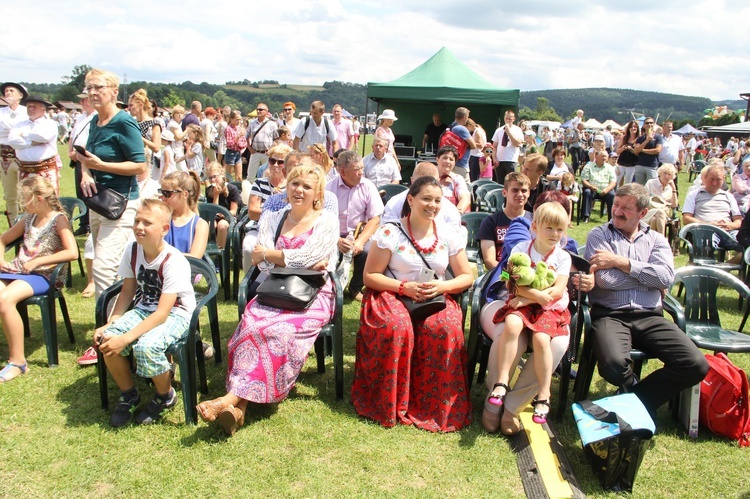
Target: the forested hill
pixel 617 103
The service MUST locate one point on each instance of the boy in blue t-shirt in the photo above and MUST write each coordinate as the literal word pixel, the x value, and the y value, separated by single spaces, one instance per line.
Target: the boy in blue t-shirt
pixel 157 277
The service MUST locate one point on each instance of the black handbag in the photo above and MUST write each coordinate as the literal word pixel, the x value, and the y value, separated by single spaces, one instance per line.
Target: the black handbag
pixel 420 310
pixel 107 202
pixel 290 289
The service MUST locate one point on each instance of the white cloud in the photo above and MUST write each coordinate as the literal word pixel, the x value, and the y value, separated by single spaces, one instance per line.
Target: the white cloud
pixel 695 47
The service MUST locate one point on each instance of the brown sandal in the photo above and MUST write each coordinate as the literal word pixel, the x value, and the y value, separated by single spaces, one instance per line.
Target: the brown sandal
pixel 230 420
pixel 212 409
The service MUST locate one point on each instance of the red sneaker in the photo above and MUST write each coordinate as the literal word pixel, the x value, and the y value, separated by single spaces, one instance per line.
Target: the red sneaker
pixel 88 358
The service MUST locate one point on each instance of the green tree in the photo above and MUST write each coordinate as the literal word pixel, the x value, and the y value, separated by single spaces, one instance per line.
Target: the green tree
pixel 546 112
pixel 526 113
pixel 171 99
pixel 77 77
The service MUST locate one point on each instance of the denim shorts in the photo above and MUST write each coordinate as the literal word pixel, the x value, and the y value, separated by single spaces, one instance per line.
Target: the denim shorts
pixel 232 157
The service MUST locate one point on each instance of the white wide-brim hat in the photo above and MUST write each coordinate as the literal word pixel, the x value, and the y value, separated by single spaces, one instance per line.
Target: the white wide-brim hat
pixel 388 114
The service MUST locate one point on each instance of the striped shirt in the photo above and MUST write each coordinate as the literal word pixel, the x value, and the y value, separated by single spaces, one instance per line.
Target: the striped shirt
pixel 651 268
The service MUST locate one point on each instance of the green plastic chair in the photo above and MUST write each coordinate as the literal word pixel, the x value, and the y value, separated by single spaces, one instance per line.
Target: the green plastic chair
pixel 222 256
pixel 494 200
pixel 387 191
pixel 474 187
pixel 70 205
pixel 472 221
pixel 46 303
pixel 702 252
pixel 188 351
pixel 695 169
pixel 700 317
pixel 480 197
pixel 330 341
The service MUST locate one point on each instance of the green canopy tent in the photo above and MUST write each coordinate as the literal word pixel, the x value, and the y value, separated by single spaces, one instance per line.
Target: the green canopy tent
pixel 440 85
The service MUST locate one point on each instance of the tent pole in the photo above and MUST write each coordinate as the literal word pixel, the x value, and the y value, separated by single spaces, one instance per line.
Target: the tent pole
pixel 364 125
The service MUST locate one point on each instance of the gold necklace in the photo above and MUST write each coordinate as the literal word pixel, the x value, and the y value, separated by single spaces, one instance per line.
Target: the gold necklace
pixel 301 220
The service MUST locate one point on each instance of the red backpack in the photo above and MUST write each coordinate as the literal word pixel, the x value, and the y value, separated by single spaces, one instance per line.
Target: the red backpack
pixel 723 403
pixel 448 138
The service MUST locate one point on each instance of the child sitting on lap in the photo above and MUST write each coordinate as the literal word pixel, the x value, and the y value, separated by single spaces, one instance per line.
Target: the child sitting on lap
pixel 157 276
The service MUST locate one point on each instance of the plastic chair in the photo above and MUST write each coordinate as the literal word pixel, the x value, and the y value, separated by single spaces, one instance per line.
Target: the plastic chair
pixel 702 251
pixel 480 196
pixel 695 169
pixel 474 187
pixel 46 303
pixel 479 344
pixel 700 316
pixel 330 340
pixel 495 200
pixel 187 351
pixel 387 191
pixel 472 221
pixel 70 205
pixel 237 235
pixel 222 256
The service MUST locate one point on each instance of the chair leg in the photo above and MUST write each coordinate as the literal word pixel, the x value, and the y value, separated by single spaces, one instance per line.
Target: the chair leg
pixel 320 354
pixel 483 361
pixel 101 371
pixel 49 325
pixel 564 385
pixel 66 317
pixel 213 322
pixel 586 368
pixel 201 367
pixel 225 274
pixel 338 359
pixel 23 311
pixel 187 357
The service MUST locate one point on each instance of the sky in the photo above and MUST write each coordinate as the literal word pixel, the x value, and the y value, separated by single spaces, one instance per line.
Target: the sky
pixel 695 48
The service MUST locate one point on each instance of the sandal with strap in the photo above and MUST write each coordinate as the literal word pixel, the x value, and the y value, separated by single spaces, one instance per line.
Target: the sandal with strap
pixel 498 399
pixel 540 417
pixel 230 419
pixel 5 373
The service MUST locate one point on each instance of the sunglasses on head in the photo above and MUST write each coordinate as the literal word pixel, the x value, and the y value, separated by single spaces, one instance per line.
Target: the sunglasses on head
pixel 167 193
pixel 274 161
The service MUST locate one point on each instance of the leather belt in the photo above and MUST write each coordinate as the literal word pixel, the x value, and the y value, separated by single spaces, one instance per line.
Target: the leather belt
pixel 38 166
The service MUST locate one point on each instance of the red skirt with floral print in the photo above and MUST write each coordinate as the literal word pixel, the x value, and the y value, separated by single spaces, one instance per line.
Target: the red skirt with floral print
pixel 410 373
pixel 552 322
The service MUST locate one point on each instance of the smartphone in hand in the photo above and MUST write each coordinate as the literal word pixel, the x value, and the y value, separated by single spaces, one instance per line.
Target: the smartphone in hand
pixel 426 275
pixel 80 150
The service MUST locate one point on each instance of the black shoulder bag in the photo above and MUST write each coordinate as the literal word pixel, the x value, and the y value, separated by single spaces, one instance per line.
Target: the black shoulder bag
pixel 290 289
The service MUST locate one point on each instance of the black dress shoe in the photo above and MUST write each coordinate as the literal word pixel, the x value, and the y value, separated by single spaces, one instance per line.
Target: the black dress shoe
pixel 82 231
pixel 585 220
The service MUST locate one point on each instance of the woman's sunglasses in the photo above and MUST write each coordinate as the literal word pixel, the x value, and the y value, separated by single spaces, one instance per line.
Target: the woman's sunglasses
pixel 168 194
pixel 274 161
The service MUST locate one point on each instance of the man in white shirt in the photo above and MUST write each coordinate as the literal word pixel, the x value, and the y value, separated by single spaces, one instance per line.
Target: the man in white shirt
pixel 9 116
pixel 315 129
pixel 380 167
pixel 690 149
pixel 673 150
pixel 260 134
pixel 344 130
pixel 448 213
pixel 35 142
pixel 507 141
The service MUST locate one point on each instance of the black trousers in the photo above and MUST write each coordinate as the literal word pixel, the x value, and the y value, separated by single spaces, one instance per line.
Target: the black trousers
pixel 502 169
pixel 615 332
pixel 588 201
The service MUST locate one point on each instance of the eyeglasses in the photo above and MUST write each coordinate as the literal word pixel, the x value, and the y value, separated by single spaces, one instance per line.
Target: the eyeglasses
pixel 274 161
pixel 168 194
pixel 261 109
pixel 487 151
pixel 288 109
pixel 95 88
pixel 216 175
pixel 648 122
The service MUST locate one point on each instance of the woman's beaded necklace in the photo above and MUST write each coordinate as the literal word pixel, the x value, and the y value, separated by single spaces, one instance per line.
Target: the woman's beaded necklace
pixel 424 251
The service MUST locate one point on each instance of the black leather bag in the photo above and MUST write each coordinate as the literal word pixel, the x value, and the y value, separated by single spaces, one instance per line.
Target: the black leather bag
pixel 290 289
pixel 107 202
pixel 420 310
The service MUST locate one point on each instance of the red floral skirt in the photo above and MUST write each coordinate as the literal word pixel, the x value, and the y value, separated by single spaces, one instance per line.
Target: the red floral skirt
pixel 410 374
pixel 552 322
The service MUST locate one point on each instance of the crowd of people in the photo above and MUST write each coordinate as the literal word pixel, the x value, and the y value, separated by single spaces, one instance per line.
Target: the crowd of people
pixel 312 202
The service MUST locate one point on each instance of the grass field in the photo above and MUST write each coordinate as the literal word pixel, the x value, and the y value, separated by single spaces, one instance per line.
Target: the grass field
pixel 55 439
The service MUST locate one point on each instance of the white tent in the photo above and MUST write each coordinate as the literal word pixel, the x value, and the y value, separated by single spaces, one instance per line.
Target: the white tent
pixel 593 124
pixel 738 128
pixel 613 124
